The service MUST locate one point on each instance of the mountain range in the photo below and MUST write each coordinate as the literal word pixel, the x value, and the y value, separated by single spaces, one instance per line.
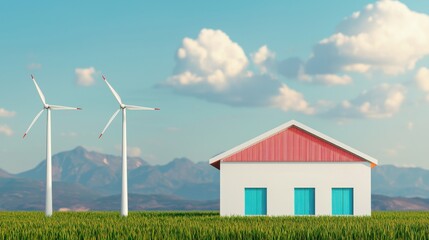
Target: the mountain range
pixel 390 180
pixel 102 174
pixel 88 180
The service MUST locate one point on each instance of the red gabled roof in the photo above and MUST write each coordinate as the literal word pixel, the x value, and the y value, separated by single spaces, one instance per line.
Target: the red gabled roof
pixel 292 142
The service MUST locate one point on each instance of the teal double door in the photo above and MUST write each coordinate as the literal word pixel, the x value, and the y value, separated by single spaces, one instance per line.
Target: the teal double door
pixel 304 201
pixel 342 201
pixel 255 201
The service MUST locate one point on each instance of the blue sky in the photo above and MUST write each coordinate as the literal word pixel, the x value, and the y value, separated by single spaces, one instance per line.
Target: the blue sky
pixel 222 72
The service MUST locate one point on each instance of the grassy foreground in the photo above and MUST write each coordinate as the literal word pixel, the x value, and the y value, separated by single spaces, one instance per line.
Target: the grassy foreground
pixel 208 225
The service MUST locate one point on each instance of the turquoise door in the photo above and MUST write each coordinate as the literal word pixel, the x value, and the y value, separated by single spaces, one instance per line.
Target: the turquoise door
pixel 342 201
pixel 255 201
pixel 304 201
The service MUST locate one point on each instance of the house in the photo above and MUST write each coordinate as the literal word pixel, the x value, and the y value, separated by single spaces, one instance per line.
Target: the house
pixel 294 170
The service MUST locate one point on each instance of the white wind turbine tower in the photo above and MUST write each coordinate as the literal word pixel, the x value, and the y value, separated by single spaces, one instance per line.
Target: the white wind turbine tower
pixel 123 107
pixel 48 107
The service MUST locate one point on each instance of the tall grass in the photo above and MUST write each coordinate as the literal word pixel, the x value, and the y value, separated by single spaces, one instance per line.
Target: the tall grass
pixel 208 225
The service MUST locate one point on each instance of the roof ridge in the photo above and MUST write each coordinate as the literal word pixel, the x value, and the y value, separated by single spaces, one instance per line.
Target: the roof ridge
pixel 282 127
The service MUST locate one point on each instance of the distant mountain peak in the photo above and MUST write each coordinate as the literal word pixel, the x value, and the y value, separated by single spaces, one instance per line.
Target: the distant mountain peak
pixel 394 166
pixel 79 149
pixel 390 180
pixel 89 168
pixel 5 174
pixel 181 160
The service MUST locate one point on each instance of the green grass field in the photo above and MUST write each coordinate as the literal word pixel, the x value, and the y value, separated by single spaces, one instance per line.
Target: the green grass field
pixel 208 225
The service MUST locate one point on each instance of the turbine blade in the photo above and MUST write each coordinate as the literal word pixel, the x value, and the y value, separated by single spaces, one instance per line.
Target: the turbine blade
pixel 32 123
pixel 42 97
pixel 110 121
pixel 118 98
pixel 57 107
pixel 132 107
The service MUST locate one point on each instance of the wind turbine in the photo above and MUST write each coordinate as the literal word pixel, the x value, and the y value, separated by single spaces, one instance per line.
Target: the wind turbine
pixel 123 107
pixel 48 107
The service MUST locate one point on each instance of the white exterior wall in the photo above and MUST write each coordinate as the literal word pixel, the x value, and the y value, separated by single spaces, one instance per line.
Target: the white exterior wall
pixel 280 179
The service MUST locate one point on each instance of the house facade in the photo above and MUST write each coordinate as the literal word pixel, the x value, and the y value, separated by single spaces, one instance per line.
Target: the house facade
pixel 294 170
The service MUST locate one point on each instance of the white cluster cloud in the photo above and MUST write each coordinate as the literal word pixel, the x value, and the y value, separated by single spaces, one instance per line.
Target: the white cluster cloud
pixel 34 66
pixel 422 79
pixel 211 58
pixel 331 79
pixel 6 130
pixel 289 99
pixel 391 152
pixel 382 101
pixel 264 59
pixel 410 125
pixel 131 151
pixel 215 68
pixel 85 76
pixel 384 36
pixel 69 134
pixel 134 151
pixel 6 113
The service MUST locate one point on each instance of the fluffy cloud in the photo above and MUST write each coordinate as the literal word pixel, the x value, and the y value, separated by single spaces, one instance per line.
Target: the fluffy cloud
pixel 214 68
pixel 410 125
pixel 69 134
pixel 422 79
pixel 264 59
pixel 172 129
pixel 131 151
pixel 331 79
pixel 134 151
pixel 34 66
pixel 289 99
pixel 85 76
pixel 293 68
pixel 212 55
pixel 6 113
pixel 384 36
pixel 6 130
pixel 382 101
